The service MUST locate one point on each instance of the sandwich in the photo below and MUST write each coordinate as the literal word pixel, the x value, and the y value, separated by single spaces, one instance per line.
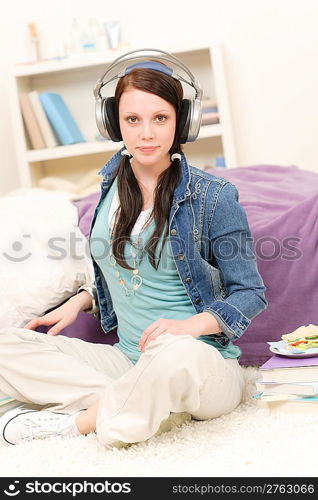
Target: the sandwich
pixel 305 337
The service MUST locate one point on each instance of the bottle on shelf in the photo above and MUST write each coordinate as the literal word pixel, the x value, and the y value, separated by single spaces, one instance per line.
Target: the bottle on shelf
pixel 75 42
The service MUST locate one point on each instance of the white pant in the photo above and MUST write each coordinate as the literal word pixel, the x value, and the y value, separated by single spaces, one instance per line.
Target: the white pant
pixel 175 374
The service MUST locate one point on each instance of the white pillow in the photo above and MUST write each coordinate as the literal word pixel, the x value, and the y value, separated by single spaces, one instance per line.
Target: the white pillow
pixel 44 257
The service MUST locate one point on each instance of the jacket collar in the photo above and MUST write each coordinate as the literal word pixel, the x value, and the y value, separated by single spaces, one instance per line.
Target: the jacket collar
pixel 182 189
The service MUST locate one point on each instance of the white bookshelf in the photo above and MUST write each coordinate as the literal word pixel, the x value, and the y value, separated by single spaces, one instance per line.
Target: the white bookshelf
pixel 75 78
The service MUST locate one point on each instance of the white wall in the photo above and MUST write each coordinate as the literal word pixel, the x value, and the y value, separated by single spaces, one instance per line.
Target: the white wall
pixel 270 52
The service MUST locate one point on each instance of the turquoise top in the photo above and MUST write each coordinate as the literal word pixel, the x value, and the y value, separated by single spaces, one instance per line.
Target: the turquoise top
pixel 160 295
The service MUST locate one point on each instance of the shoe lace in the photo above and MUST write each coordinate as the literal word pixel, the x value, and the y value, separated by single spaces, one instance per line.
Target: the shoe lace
pixel 41 426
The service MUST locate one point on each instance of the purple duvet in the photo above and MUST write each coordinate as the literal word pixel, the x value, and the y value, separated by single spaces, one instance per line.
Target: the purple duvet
pixel 281 204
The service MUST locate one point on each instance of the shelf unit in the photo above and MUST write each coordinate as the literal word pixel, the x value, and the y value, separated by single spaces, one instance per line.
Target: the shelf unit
pixel 75 78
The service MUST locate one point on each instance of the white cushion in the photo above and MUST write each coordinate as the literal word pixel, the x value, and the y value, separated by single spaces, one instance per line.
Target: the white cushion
pixel 44 257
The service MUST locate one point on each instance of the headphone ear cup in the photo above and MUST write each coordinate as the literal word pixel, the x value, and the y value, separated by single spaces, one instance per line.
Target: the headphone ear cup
pixel 99 116
pixel 184 121
pixel 110 118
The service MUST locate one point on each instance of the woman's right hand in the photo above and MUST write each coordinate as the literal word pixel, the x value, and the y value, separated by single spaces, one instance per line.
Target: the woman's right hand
pixel 63 316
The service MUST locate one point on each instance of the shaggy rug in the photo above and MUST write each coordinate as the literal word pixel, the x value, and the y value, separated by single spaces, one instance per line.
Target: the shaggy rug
pixel 249 442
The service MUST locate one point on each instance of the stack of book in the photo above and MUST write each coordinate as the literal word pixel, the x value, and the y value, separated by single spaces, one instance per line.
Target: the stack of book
pixel 210 113
pixel 4 400
pixel 48 120
pixel 7 403
pixel 289 384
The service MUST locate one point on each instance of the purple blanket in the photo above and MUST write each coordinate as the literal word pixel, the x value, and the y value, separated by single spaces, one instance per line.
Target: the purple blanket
pixel 281 204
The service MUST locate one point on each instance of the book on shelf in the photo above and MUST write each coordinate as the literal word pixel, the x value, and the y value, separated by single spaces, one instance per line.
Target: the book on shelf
pixel 208 103
pixel 301 388
pixel 210 110
pixel 43 122
pixel 60 118
pixel 210 113
pixel 31 125
pixel 210 118
pixel 282 369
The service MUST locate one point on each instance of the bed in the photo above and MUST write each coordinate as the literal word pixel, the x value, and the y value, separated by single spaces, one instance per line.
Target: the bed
pixel 45 258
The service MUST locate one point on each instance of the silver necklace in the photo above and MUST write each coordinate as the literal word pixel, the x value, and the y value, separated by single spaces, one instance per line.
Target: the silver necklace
pixel 135 247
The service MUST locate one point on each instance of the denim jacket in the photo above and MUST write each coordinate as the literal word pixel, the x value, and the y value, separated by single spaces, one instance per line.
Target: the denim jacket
pixel 211 243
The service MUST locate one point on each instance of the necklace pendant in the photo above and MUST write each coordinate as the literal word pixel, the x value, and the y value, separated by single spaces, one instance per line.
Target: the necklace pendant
pixel 136 281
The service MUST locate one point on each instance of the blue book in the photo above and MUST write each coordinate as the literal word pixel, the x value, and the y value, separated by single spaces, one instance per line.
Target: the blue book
pixel 210 110
pixel 220 161
pixel 60 118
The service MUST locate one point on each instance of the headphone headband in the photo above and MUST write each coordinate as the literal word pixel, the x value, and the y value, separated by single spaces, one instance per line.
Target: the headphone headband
pixel 157 66
pixel 166 57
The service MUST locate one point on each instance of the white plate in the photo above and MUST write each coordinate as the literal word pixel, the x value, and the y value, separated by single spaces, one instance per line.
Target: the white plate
pixel 294 354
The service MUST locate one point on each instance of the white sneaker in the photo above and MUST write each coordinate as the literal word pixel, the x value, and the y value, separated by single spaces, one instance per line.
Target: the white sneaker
pixel 22 424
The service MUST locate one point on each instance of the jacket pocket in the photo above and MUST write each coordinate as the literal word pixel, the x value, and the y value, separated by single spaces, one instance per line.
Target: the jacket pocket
pixel 217 282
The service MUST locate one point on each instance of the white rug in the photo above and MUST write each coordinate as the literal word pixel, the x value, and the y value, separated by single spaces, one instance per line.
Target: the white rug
pixel 249 442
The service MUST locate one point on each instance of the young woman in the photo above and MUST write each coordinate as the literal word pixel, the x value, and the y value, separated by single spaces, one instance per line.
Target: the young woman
pixel 174 271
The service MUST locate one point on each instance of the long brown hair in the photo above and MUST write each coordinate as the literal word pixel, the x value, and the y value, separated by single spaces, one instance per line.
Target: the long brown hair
pixel 129 193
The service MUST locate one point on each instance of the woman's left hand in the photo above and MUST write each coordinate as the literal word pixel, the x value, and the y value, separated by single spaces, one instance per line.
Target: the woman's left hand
pixel 199 324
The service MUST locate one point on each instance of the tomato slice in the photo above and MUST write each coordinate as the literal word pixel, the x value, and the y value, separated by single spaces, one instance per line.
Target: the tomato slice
pixel 299 342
